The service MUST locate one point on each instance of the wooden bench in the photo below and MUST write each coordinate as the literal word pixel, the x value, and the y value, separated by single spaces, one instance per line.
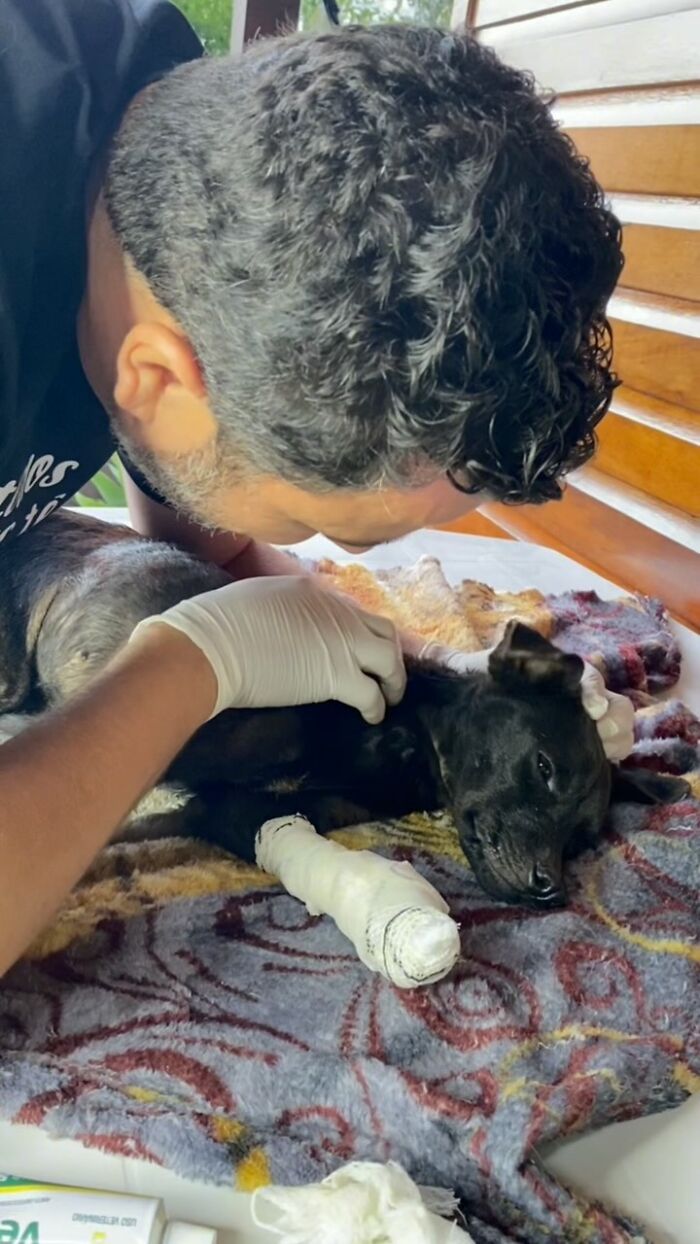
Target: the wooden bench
pixel 624 72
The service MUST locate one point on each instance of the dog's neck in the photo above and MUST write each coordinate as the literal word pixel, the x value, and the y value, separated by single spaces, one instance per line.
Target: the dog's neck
pixel 433 694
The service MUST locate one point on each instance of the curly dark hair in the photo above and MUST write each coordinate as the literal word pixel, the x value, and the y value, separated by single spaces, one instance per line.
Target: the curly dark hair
pixel 390 261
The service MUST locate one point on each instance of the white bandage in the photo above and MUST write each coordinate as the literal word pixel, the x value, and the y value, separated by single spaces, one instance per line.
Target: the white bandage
pixel 397 922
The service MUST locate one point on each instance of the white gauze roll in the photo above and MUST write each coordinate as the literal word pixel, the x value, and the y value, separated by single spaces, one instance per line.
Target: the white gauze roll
pixel 361 1203
pixel 396 920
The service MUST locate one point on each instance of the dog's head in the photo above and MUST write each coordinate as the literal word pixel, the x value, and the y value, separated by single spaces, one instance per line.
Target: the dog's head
pixel 524 770
pixel 526 778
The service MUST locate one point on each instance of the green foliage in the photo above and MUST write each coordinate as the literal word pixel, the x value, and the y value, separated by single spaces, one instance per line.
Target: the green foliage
pixel 212 21
pixel 375 12
pixel 212 18
pixel 105 488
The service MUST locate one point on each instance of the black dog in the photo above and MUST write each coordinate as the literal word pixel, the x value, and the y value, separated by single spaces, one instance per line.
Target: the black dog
pixel 511 754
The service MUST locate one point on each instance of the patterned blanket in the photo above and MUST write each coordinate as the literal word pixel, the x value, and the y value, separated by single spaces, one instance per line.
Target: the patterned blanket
pixel 185 1010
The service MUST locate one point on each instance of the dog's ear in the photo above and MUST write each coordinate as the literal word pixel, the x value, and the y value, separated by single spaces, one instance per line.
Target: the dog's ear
pixel 643 786
pixel 523 660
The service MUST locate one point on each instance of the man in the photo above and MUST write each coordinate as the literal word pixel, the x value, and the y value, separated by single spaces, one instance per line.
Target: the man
pixel 347 284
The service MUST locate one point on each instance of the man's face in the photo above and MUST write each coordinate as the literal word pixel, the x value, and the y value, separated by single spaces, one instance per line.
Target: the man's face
pixel 180 453
pixel 270 509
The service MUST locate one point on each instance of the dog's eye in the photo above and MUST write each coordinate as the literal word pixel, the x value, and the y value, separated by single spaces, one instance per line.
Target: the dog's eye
pixel 545 768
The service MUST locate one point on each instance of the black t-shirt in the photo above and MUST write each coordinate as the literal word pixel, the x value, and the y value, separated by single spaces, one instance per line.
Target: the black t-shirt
pixel 68 69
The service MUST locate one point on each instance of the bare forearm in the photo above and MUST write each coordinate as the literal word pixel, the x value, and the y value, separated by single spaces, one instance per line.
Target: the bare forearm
pixel 68 782
pixel 257 560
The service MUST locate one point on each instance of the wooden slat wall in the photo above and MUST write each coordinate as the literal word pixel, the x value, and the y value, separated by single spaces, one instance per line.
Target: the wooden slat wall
pixel 625 72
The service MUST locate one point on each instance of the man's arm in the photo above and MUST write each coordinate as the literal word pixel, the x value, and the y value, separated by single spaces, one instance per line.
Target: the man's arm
pixel 241 556
pixel 68 782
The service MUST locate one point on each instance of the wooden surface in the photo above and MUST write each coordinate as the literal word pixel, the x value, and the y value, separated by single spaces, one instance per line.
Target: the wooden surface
pixel 626 71
pixel 495 12
pixel 678 422
pixel 629 53
pixel 665 261
pixel 537 19
pixel 665 365
pixel 658 159
pixel 649 459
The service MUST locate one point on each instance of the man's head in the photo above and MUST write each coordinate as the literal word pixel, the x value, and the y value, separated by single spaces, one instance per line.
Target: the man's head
pixel 357 265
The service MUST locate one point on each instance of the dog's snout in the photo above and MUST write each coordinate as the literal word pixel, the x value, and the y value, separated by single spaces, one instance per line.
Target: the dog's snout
pixel 545 886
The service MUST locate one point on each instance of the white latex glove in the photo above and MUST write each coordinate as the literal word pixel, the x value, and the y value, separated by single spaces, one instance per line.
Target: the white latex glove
pixel 283 640
pixel 612 713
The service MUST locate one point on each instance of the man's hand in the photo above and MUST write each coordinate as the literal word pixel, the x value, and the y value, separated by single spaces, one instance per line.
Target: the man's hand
pixel 286 640
pixel 612 713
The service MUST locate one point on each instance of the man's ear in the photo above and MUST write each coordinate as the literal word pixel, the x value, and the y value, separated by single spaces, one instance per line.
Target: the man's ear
pixel 524 660
pixel 160 389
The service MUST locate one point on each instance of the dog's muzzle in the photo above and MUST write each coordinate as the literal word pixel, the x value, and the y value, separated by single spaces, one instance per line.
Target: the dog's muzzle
pixel 512 862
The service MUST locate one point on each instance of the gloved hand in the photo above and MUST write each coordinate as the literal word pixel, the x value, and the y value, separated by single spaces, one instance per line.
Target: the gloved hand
pixel 612 713
pixel 283 640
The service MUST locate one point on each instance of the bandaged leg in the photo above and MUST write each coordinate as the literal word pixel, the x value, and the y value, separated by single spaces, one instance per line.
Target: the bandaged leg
pixel 397 922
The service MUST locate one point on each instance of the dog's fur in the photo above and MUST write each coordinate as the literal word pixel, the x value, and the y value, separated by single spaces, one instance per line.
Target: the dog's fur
pixel 511 754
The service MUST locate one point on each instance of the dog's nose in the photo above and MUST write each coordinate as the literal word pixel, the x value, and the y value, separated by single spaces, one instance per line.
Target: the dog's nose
pixel 545 887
